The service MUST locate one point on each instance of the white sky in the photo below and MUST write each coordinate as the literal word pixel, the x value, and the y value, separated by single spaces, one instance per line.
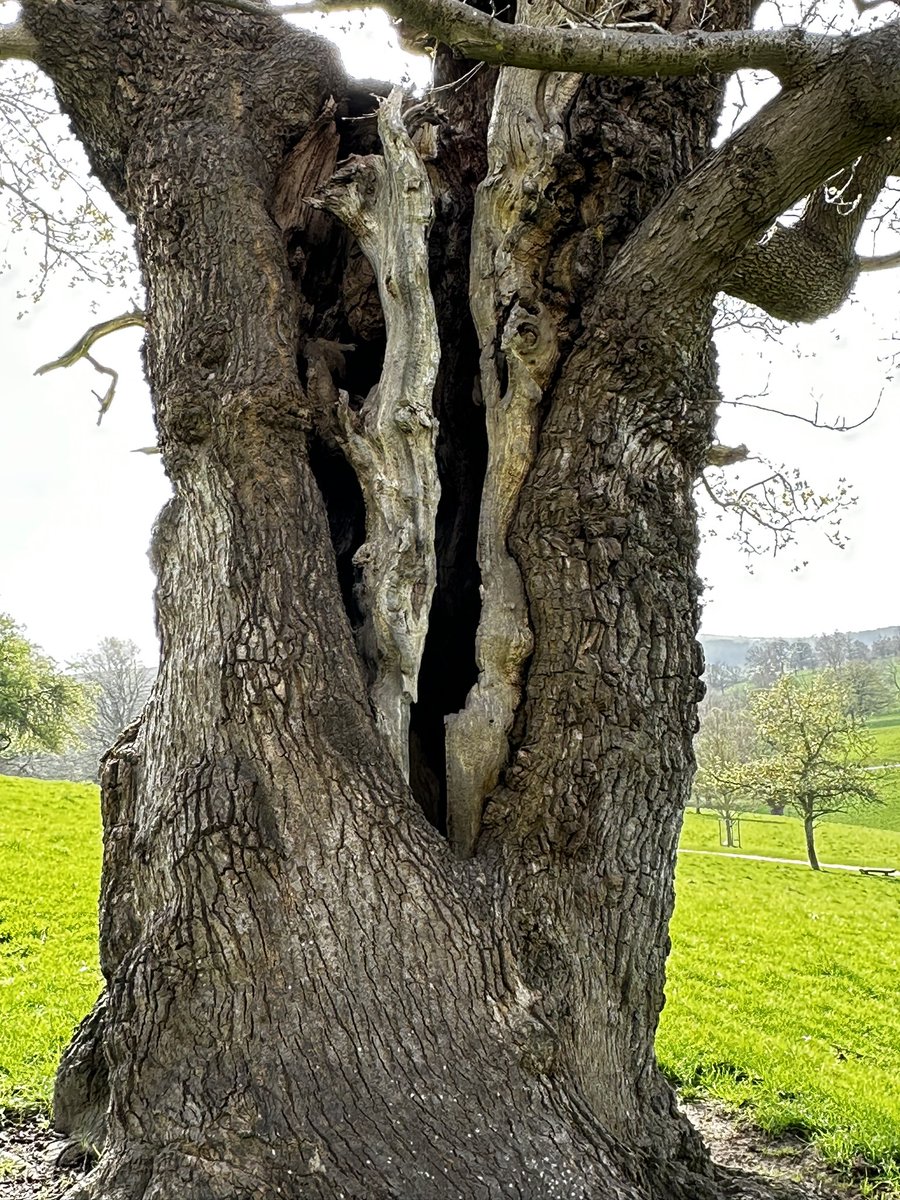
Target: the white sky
pixel 76 505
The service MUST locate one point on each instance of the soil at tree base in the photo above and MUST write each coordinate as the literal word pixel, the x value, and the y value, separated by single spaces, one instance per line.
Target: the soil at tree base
pixel 36 1165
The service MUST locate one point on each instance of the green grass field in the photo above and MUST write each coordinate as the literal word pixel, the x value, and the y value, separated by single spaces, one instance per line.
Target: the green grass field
pixel 884 729
pixel 783 1002
pixel 49 976
pixel 782 837
pixel 884 816
pixel 783 985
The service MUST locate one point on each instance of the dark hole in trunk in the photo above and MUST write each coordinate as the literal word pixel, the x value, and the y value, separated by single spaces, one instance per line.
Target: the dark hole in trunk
pixel 346 512
pixel 448 664
pixel 340 304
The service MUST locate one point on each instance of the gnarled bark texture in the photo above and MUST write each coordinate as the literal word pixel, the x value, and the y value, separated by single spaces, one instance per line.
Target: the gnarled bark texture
pixel 311 991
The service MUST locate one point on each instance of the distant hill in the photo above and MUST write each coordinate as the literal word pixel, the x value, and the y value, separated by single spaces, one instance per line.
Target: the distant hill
pixel 731 651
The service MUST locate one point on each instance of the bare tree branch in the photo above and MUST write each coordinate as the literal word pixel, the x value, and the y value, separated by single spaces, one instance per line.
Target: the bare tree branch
pixel 82 349
pixel 838 426
pixel 805 272
pixel 323 6
pixel 611 51
pixel 880 262
pixel 719 455
pixel 17 42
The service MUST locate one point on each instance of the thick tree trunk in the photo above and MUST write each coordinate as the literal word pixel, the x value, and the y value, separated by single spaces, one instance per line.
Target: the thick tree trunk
pixel 309 993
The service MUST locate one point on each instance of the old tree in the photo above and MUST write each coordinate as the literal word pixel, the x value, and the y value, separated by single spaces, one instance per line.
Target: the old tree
pixel 389 856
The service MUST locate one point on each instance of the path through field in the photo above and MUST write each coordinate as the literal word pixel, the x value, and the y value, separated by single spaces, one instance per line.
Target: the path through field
pixel 793 862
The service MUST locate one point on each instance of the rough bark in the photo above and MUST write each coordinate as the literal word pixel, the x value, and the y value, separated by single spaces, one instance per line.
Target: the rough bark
pixel 310 991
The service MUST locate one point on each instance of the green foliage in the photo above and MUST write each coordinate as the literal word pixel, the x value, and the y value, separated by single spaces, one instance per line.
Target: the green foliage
pixel 782 1001
pixel 727 740
pixel 40 708
pixel 49 976
pixel 815 746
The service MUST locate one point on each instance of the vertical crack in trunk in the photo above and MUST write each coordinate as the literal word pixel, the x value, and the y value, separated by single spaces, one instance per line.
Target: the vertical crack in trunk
pixel 512 238
pixel 386 202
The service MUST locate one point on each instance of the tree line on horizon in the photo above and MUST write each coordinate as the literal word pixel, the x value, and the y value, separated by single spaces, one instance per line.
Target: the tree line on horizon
pixel 768 659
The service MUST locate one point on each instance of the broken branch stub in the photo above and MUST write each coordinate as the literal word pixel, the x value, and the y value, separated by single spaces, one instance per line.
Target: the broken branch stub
pixel 386 202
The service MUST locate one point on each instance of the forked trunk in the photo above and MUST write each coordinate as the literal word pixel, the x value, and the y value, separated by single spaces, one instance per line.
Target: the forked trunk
pixel 310 991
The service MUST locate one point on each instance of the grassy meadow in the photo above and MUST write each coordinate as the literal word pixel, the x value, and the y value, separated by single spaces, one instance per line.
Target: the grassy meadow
pixel 782 993
pixel 49 975
pixel 783 837
pixel 783 1003
pixel 885 731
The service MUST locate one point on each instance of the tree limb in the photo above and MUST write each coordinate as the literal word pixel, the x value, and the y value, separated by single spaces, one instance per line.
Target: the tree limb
pixel 726 456
pixel 880 262
pixel 610 51
pixel 17 42
pixel 845 109
pixel 806 271
pixel 588 49
pixel 838 426
pixel 82 349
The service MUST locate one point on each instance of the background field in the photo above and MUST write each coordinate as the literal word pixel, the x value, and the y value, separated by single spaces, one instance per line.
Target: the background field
pixel 885 731
pixel 783 837
pixel 783 1001
pixel 783 984
pixel 49 977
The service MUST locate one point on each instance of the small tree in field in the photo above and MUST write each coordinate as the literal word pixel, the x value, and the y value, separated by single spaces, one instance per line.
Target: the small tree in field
pixel 868 688
pixel 768 660
pixel 815 743
pixel 120 684
pixel 726 741
pixel 116 685
pixel 719 677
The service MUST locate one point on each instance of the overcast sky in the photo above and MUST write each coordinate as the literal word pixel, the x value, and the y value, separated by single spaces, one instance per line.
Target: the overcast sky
pixel 77 505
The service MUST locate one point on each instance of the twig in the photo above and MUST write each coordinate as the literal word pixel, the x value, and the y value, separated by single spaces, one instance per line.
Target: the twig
pixel 840 426
pixel 880 262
